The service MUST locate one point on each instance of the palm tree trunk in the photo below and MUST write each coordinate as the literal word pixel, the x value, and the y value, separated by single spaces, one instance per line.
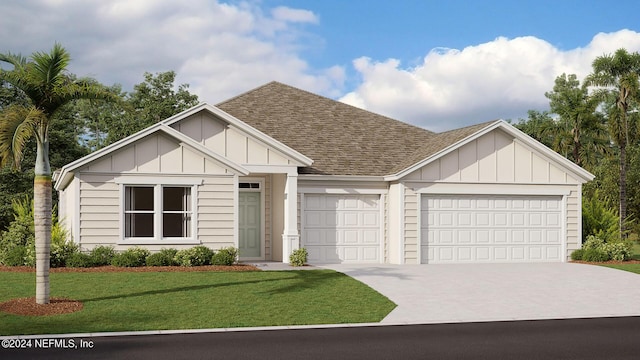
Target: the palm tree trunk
pixel 42 218
pixel 623 190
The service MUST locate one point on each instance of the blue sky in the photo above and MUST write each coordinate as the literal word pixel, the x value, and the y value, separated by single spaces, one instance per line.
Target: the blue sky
pixel 436 64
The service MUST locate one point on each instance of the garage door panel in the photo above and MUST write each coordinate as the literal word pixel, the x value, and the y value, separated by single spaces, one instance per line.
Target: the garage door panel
pixel 490 228
pixel 344 228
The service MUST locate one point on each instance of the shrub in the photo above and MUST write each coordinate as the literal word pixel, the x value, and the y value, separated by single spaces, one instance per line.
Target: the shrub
pixel 165 257
pixel 196 256
pixel 102 255
pixel 614 249
pixel 593 242
pixel 20 233
pixel 618 251
pixel 225 256
pixel 15 256
pixel 595 255
pixel 577 255
pixel 298 257
pixel 599 220
pixel 132 257
pixel 80 260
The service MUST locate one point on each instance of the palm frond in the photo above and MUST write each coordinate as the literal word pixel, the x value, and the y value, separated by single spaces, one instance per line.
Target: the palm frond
pixel 17 125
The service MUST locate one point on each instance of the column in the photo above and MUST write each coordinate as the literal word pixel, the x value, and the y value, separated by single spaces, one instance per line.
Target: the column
pixel 290 237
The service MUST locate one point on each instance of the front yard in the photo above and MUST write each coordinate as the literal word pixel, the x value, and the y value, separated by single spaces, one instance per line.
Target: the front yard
pixel 130 301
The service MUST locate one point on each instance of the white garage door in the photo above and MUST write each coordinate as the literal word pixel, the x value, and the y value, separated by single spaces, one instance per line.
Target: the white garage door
pixel 488 228
pixel 341 228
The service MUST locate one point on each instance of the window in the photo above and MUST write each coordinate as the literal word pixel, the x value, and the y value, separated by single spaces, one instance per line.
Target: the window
pixel 176 212
pixel 158 212
pixel 138 211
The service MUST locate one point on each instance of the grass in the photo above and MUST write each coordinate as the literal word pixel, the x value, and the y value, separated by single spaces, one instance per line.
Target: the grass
pixel 128 301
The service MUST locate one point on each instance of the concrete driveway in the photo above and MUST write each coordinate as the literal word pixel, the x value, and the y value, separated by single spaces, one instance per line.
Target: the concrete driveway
pixel 498 292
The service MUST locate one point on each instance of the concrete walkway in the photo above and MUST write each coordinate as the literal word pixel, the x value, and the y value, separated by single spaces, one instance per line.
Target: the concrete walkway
pixel 497 292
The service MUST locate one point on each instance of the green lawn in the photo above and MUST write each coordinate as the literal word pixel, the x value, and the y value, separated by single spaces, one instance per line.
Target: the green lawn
pixel 190 300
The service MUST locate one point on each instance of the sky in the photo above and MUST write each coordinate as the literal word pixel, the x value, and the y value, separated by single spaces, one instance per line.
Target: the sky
pixel 435 64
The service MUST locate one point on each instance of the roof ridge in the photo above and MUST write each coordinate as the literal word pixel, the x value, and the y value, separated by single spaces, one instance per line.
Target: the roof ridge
pixel 246 92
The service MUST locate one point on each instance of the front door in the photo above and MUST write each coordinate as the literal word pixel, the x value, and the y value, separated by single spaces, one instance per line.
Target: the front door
pixel 250 244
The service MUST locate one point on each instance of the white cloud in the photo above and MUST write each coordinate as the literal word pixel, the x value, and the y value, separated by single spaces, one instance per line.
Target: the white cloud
pixel 219 49
pixel 294 15
pixel 500 79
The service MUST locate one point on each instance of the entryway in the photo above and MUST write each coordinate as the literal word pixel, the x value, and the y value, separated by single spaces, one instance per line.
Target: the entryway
pixel 250 245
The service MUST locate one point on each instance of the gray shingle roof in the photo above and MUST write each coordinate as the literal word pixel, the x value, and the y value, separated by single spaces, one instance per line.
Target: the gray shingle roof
pixel 341 139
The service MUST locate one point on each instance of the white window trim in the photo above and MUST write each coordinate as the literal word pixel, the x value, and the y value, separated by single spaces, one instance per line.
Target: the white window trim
pixel 158 239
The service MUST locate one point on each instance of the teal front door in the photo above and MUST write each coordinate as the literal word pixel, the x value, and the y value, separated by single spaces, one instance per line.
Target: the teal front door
pixel 250 244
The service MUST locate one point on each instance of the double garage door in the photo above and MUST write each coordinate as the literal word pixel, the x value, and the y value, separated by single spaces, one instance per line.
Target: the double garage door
pixel 489 228
pixel 341 228
pixel 454 228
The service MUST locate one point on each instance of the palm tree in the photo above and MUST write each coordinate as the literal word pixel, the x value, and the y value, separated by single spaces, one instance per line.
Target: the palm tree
pixel 580 133
pixel 44 79
pixel 619 71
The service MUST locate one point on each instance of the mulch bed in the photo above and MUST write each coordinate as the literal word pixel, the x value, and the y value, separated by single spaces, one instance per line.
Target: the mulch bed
pixel 607 262
pixel 135 269
pixel 57 306
pixel 28 306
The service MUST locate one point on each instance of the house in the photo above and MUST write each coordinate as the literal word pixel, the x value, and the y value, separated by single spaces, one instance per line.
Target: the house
pixel 278 168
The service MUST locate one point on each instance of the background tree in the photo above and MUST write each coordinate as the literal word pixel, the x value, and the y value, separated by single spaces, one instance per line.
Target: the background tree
pixel 151 101
pixel 580 133
pixel 44 80
pixel 620 73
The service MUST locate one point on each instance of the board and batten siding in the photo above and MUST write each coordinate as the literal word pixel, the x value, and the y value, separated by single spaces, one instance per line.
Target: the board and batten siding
pixel 228 141
pixel 156 154
pixel 497 163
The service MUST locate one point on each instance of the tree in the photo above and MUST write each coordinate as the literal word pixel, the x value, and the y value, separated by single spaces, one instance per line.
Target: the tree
pixel 619 72
pixel 151 101
pixel 44 80
pixel 580 133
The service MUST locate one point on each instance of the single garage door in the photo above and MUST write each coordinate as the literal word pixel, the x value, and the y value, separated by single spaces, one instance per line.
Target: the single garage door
pixel 341 228
pixel 489 228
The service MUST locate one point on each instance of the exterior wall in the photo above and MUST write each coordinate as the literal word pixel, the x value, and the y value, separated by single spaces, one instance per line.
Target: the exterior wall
pixel 156 159
pixel 155 154
pixel 216 212
pixel 230 142
pixel 493 158
pixel 100 217
pixel 574 222
pixel 67 206
pixel 393 224
pixel 411 227
pixel 99 222
pixel 495 163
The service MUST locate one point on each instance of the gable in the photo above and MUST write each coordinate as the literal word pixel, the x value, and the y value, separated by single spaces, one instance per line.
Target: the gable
pixel 158 154
pixel 494 157
pixel 230 141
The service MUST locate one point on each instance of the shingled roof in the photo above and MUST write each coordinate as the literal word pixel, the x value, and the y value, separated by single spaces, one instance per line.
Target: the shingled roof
pixel 341 139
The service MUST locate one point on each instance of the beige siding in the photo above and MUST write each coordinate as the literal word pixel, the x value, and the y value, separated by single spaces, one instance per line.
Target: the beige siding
pixel 494 157
pixel 229 141
pixel 574 222
pixel 410 220
pixel 394 225
pixel 99 211
pixel 216 206
pixel 156 154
